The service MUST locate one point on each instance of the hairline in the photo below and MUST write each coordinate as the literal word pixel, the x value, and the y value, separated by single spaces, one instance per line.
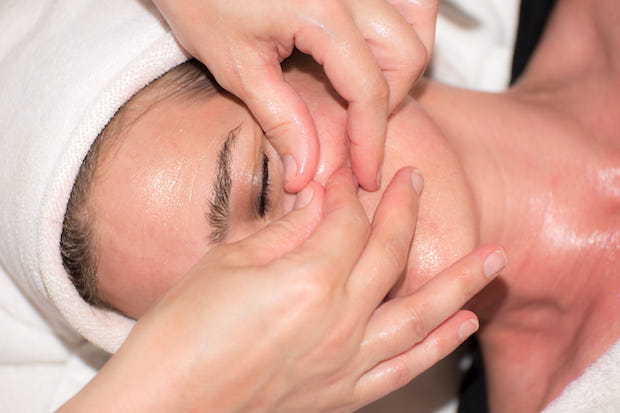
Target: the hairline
pixel 79 243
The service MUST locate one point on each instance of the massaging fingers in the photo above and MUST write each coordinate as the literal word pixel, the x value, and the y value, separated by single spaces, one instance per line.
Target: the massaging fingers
pixel 280 236
pixel 374 63
pixel 332 251
pixel 242 43
pixel 284 117
pixel 369 51
pixel 390 375
pixel 370 60
pixel 385 257
pixel 335 41
pixel 407 335
pixel 404 321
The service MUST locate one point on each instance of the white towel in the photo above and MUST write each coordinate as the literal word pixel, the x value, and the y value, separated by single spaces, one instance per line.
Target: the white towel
pixel 475 43
pixel 66 67
pixel 597 390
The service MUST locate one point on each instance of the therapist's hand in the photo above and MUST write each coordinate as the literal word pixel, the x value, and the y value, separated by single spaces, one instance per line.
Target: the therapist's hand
pixel 372 52
pixel 292 319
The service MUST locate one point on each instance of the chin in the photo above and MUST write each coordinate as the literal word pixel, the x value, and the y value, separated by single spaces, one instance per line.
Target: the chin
pixel 446 229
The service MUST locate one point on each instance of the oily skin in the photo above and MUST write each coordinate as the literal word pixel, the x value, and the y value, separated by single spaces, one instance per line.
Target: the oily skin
pixel 151 194
pixel 540 160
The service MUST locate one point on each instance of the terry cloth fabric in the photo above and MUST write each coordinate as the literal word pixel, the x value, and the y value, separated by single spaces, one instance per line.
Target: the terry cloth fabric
pixel 66 66
pixel 596 390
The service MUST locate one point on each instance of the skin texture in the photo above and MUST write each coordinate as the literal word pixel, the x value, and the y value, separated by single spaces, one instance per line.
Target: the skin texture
pixel 282 321
pixel 385 46
pixel 151 196
pixel 534 169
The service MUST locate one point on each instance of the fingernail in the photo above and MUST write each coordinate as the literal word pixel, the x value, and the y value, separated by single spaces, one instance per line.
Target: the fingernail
pixel 468 328
pixel 379 176
pixel 290 168
pixel 304 197
pixel 417 180
pixel 494 262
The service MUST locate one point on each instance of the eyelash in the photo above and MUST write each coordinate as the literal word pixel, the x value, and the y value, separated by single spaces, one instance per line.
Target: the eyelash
pixel 263 198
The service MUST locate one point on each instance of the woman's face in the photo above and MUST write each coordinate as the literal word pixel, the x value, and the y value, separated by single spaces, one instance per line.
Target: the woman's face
pixel 190 173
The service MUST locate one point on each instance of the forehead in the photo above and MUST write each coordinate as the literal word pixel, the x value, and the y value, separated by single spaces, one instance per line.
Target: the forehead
pixel 150 193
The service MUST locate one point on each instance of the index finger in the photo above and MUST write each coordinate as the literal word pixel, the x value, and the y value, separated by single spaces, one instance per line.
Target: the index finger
pixel 280 111
pixel 333 250
pixel 354 73
pixel 385 257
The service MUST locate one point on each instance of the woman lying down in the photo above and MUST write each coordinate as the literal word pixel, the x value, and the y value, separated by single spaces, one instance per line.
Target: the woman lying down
pixel 534 169
pixel 183 168
pixel 291 318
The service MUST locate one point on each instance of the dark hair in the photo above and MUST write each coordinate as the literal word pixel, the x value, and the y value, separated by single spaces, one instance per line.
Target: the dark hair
pixel 77 243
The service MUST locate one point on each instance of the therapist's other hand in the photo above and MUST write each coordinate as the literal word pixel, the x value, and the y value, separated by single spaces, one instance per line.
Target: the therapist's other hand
pixel 292 318
pixel 372 52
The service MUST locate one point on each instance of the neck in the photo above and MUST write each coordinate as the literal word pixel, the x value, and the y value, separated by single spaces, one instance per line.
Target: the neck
pixel 545 177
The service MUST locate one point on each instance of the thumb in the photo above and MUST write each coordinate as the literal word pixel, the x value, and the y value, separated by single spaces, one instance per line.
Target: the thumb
pixel 281 113
pixel 285 234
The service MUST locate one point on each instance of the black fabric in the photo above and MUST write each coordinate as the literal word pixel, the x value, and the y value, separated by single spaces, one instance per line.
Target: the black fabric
pixel 533 16
pixel 473 392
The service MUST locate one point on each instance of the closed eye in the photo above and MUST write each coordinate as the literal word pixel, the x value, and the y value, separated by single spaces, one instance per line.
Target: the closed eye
pixel 262 203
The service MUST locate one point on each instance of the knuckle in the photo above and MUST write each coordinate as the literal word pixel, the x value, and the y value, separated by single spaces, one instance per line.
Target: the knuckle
pixel 231 255
pixel 400 372
pixel 353 218
pixel 395 253
pixel 469 284
pixel 417 323
pixel 285 228
pixel 311 286
pixel 339 343
pixel 321 10
pixel 377 89
pixel 359 221
pixel 414 59
pixel 435 349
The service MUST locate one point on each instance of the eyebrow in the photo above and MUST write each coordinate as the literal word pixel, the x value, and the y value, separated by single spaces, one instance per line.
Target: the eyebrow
pixel 219 204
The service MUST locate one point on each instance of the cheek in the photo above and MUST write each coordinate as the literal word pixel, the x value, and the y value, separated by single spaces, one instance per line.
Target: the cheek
pixel 445 228
pixel 149 233
pixel 138 267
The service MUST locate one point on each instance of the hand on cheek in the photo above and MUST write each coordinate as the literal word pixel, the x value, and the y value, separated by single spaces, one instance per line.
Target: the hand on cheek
pixel 293 319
